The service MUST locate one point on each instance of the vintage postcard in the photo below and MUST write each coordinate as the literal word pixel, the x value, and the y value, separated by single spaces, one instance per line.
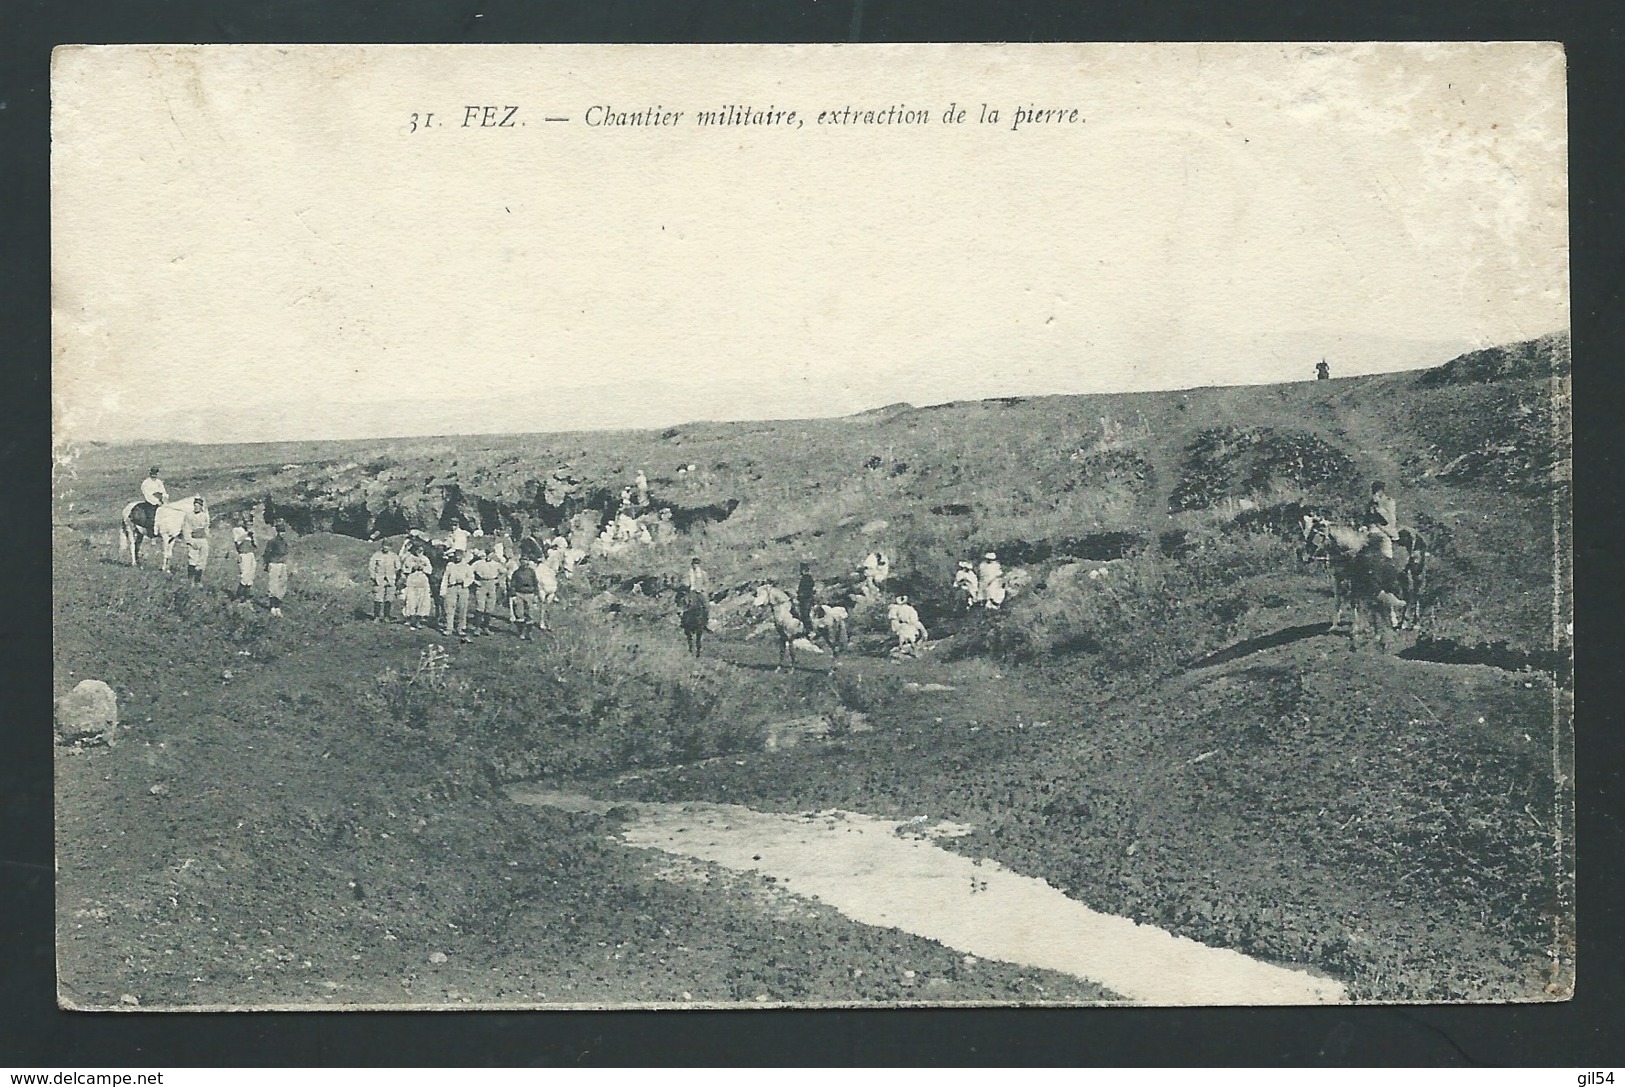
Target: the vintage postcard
pixel 651 526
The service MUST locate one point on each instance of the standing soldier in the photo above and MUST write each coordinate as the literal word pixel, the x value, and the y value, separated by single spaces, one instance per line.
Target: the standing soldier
pixel 459 535
pixel 454 587
pixel 547 589
pixel 525 599
pixel 487 588
pixel 276 568
pixel 195 530
pixel 1322 371
pixel 383 568
pixel 243 542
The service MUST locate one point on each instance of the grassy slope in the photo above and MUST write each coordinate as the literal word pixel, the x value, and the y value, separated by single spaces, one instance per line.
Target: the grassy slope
pixel 1388 820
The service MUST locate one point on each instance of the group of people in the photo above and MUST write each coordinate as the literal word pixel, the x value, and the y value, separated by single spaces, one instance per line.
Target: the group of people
pixel 245 545
pixel 981 584
pixel 635 521
pixel 465 582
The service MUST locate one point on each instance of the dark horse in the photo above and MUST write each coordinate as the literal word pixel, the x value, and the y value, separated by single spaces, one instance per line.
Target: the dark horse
pixel 695 618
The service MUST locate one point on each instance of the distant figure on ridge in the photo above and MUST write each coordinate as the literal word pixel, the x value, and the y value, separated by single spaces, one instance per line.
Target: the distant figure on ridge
pixel 1322 371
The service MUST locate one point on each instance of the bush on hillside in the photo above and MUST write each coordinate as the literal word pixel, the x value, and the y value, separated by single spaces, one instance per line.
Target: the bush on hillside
pixel 1235 462
pixel 597 703
pixel 1149 615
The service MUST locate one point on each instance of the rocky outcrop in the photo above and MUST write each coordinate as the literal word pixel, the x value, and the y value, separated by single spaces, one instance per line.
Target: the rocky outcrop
pixel 87 714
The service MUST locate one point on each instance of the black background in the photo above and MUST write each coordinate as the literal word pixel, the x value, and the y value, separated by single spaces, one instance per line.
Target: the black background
pixel 1584 1032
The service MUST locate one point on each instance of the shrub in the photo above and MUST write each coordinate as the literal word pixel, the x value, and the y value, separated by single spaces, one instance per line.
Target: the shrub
pixel 597 703
pixel 1150 615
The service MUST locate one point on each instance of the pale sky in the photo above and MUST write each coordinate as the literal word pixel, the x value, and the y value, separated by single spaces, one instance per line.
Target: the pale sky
pixel 250 244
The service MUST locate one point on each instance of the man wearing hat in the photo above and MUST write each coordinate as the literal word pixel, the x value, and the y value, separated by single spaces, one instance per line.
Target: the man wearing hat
pixel 247 548
pixel 276 568
pixel 965 582
pixel 698 580
pixel 195 531
pixel 488 574
pixel 806 594
pixel 383 568
pixel 459 535
pixel 990 581
pixel 454 587
pixel 905 624
pixel 153 492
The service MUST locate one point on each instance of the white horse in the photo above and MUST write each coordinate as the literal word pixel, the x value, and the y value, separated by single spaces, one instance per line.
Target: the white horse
pixel 168 522
pixel 789 628
pixel 1354 556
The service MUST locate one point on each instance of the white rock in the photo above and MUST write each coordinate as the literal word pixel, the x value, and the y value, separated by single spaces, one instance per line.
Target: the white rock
pixel 90 709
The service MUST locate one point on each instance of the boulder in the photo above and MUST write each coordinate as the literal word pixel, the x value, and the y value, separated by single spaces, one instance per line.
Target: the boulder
pixel 88 711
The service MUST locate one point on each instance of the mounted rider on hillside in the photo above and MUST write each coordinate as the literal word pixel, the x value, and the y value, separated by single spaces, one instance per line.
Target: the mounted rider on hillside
pixel 1382 519
pixel 153 495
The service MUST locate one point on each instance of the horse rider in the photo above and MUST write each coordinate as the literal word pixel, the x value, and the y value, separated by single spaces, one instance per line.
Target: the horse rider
pixel 153 492
pixel 806 594
pixel 699 581
pixel 195 531
pixel 1382 519
pixel 153 495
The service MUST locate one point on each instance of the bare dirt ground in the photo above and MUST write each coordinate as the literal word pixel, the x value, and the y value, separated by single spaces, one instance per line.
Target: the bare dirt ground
pixel 286 818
